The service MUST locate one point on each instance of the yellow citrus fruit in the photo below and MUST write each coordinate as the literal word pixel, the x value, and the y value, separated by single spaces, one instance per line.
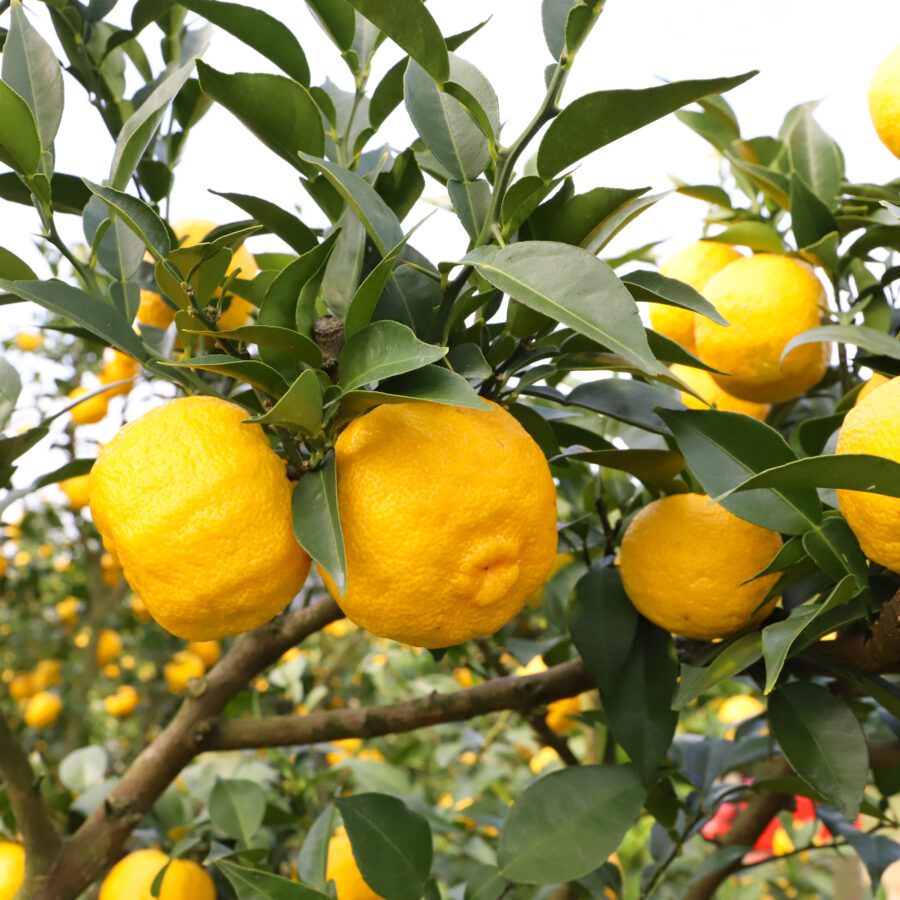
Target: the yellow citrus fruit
pixel 449 521
pixel 767 300
pixel 739 708
pixel 179 671
pixel 193 503
pixel 192 231
pixel 123 702
pixel 43 710
pixel 76 489
pixel 88 411
pixel 703 383
pixel 873 426
pixel 26 341
pixel 543 758
pixel 344 872
pixel 875 382
pixel 884 101
pixel 340 628
pixel 132 878
pixel 12 869
pixel 694 265
pixel 684 561
pixel 155 311
pixel 560 713
pixel 47 673
pixel 22 559
pixel 119 367
pixel 67 610
pixel 208 651
pixel 22 686
pixel 109 646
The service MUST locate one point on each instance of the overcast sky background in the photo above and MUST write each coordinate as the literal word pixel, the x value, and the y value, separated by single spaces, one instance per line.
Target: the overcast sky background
pixel 805 50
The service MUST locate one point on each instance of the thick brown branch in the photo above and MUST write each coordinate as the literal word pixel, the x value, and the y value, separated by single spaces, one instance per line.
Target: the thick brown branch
pixel 875 651
pixel 40 838
pixel 100 838
pixel 512 692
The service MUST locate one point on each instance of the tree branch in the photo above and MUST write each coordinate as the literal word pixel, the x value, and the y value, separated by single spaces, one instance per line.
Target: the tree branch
pixel 41 840
pixel 877 651
pixel 99 840
pixel 512 692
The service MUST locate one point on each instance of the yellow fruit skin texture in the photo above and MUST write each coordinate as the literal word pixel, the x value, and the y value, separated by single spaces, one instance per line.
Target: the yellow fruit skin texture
pixel 884 101
pixel 449 521
pixel 43 710
pixel 344 872
pixel 873 426
pixel 196 508
pixel 683 561
pixel 155 311
pixel 694 265
pixel 703 383
pixel 12 869
pixel 89 411
pixel 875 382
pixel 132 877
pixel 767 300
pixel 192 231
pixel 76 489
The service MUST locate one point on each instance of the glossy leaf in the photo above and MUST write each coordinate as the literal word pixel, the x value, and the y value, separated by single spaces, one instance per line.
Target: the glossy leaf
pixel 392 845
pixel 337 18
pixel 237 808
pixel 657 467
pixel 822 740
pixel 835 550
pixel 574 288
pixel 598 119
pixel 284 340
pixel 251 371
pixel 409 24
pixel 31 69
pixel 312 861
pixel 138 216
pixel 566 822
pixel 317 524
pixel 759 236
pixel 627 401
pixel 283 224
pixel 14 269
pixel 362 305
pixel 300 408
pixel 814 156
pixel 811 220
pixel 471 201
pixel 278 110
pixel 253 884
pixel 87 310
pixel 20 145
pixel 258 30
pixel 654 287
pixel 736 657
pixel 68 192
pixel 382 350
pixel 724 448
pixel 865 338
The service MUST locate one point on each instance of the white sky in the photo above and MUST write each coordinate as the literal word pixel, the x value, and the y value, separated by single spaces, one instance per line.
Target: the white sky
pixel 805 49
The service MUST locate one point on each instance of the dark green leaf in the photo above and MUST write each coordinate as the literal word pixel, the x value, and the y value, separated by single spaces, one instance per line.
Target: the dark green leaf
pixel 317 524
pixel 284 340
pixel 573 287
pixel 835 550
pixel 312 861
pixel 283 224
pixel 362 306
pixel 869 339
pixel 656 288
pixel 598 119
pixel 138 216
pixel 68 192
pixel 471 201
pixel 252 884
pixel 337 18
pixel 657 467
pixel 388 95
pixel 300 408
pixel 815 157
pixel 20 145
pixel 251 371
pixel 14 269
pixel 626 400
pixel 258 30
pixel 237 808
pixel 758 236
pixel 823 742
pixel 811 219
pixel 391 844
pixel 736 657
pixel 565 823
pixel 278 110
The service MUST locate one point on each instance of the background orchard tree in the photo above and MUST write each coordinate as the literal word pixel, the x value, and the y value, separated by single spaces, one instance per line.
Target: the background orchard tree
pixel 583 750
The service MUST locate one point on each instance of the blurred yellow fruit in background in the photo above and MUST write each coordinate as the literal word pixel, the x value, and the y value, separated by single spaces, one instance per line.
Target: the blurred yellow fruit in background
pixel 208 651
pixel 109 646
pixel 155 311
pixel 43 710
pixel 88 411
pixel 67 610
pixel 27 341
pixel 123 702
pixel 181 669
pixel 12 869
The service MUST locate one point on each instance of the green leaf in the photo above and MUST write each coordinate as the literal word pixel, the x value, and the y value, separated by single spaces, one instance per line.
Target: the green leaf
pixel 278 110
pixel 10 388
pixel 31 69
pixel 450 132
pixel 252 371
pixel 14 269
pixel 859 335
pixel 573 287
pixel 138 216
pixel 780 637
pixel 598 119
pixel 138 130
pixel 656 288
pixel 815 157
pixel 317 524
pixel 696 680
pixel 284 340
pixel 300 408
pixel 258 30
pixel 237 808
pixel 88 310
pixel 312 861
pixel 409 24
pixel 603 623
pixel 656 467
pixel 471 201
pixel 252 884
pixel 759 236
pixel 377 217
pixel 626 400
pixel 723 448
pixel 565 823
pixel 337 18
pixel 846 471
pixel 811 219
pixel 554 14
pixel 388 95
pixel 282 224
pixel 391 844
pixel 381 350
pixel 20 145
pixel 83 768
pixel 362 305
pixel 430 384
pixel 823 742
pixel 835 550
pixel 68 192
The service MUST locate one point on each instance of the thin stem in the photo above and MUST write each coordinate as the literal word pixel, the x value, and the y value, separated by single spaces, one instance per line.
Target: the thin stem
pixel 84 271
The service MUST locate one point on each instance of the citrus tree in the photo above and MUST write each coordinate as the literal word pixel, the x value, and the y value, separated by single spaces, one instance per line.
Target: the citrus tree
pixel 643 578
